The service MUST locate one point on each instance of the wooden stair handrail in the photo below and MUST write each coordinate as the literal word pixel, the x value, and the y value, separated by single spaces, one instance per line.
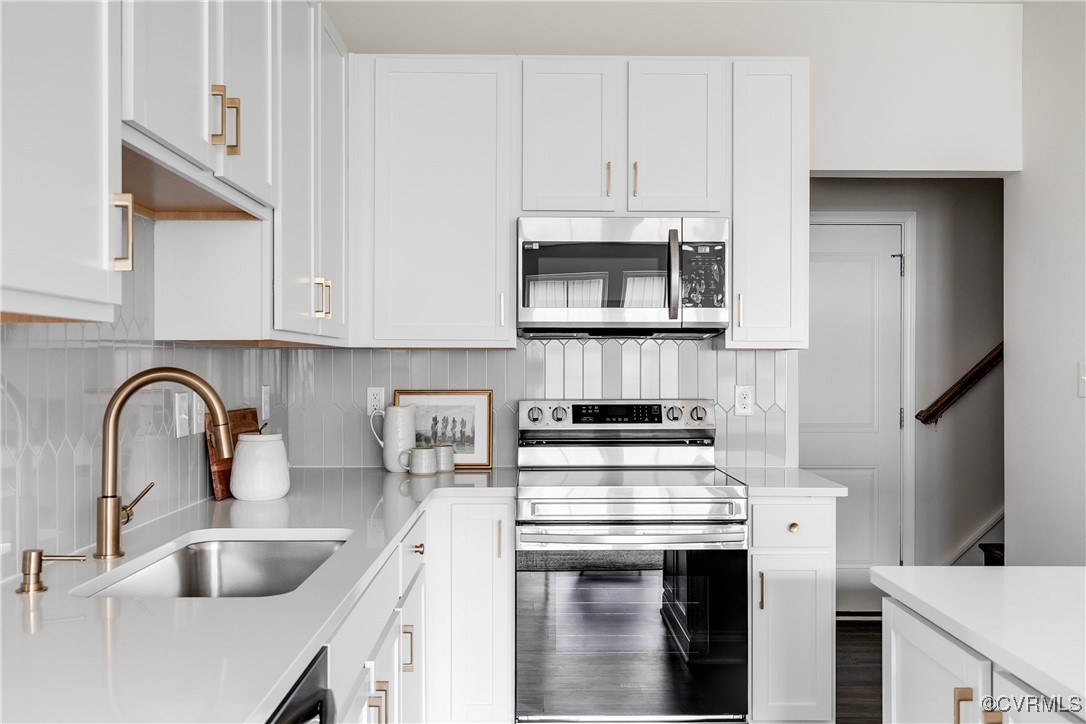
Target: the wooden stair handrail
pixel 931 414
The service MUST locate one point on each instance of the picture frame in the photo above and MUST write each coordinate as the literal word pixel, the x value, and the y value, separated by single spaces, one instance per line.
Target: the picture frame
pixel 461 418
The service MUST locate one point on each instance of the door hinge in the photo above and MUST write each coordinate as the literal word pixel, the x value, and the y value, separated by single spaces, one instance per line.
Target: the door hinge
pixel 901 418
pixel 901 258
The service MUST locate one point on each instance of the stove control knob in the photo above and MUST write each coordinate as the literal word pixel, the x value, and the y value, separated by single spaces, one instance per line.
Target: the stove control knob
pixel 535 414
pixel 698 413
pixel 559 414
pixel 674 413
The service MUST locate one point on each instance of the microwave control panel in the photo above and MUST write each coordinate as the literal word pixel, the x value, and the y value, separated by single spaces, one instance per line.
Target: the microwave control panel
pixel 703 275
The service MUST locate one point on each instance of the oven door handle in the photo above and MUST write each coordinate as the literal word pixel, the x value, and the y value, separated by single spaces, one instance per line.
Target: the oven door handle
pixel 536 537
pixel 674 262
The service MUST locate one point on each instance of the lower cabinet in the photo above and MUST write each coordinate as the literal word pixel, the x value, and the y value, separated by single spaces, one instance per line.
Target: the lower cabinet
pixel 792 611
pixel 931 677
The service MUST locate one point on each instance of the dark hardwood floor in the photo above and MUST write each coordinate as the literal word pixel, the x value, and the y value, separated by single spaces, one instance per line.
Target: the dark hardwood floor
pixel 859 671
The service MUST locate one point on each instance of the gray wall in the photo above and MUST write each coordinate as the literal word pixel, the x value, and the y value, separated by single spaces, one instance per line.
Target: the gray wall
pixel 1045 304
pixel 959 319
pixel 55 381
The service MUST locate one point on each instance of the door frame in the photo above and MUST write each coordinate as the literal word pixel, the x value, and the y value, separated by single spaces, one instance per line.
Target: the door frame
pixel 907 221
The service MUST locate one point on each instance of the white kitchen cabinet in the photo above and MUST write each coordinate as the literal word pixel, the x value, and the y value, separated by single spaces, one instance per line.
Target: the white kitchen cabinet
pixel 310 243
pixel 199 77
pixel 1019 703
pixel 62 160
pixel 469 649
pixel 927 675
pixel 573 158
pixel 792 610
pixel 442 226
pixel 770 205
pixel 588 142
pixel 676 134
pixel 413 650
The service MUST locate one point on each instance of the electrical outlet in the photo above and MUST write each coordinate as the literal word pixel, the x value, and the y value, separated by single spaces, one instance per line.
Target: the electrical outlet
pixel 181 414
pixel 265 402
pixel 375 399
pixel 744 400
pixel 199 409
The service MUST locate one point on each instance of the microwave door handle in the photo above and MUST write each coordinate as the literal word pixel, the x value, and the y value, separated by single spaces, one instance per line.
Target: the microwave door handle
pixel 673 262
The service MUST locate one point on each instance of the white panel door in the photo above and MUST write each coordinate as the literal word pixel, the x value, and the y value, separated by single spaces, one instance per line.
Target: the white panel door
pixel 61 154
pixel 413 651
pixel 297 298
pixel 770 214
pixel 676 135
pixel 850 396
pixel 331 260
pixel 792 637
pixel 481 608
pixel 442 227
pixel 249 71
pixel 570 135
pixel 921 668
pixel 167 75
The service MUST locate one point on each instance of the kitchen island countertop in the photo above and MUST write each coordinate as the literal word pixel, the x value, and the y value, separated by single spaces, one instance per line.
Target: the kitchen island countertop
pixel 69 657
pixel 767 482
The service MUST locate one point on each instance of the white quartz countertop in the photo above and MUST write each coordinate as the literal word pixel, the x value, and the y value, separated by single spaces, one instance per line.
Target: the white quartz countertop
pixel 785 481
pixel 71 658
pixel 1030 621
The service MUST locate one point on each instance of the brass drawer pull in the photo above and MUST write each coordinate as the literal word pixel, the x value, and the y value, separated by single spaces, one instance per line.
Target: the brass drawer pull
pixel 608 179
pixel 761 589
pixel 409 665
pixel 234 149
pixel 961 693
pixel 219 91
pixel 124 201
pixel 793 527
pixel 420 549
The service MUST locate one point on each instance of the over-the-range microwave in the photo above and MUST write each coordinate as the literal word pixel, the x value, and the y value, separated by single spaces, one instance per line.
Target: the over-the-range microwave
pixel 621 276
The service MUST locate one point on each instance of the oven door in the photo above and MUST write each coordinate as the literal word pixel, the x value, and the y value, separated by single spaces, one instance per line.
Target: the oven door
pixel 631 622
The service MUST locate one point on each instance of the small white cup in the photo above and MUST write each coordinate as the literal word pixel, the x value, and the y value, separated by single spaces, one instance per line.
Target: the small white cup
pixel 446 462
pixel 421 460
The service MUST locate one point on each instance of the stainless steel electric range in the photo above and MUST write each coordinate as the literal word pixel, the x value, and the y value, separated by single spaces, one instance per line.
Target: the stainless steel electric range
pixel 631 565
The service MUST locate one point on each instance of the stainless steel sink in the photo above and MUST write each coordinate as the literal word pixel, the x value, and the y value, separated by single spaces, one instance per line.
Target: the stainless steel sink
pixel 221 568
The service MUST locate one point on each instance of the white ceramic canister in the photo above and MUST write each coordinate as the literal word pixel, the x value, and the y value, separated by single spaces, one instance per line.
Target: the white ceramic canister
pixel 446 458
pixel 399 434
pixel 260 470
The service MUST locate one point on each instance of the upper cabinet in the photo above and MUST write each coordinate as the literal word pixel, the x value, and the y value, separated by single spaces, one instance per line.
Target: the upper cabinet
pixel 770 204
pixel 310 238
pixel 199 77
pixel 62 161
pixel 596 131
pixel 442 223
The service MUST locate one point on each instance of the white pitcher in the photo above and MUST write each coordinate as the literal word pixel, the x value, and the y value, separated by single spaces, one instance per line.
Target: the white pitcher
pixel 399 432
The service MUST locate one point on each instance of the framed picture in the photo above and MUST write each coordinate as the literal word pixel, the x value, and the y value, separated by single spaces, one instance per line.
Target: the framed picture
pixel 460 418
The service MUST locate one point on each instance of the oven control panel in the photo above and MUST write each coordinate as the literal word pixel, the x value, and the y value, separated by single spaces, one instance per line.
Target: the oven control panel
pixel 590 414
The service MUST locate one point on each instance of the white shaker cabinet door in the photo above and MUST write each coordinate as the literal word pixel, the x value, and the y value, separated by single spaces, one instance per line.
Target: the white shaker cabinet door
pixel 62 159
pixel 413 651
pixel 297 297
pixel 167 75
pixel 676 135
pixel 928 676
pixel 442 227
pixel 331 256
pixel 572 157
pixel 792 619
pixel 249 45
pixel 771 204
pixel 1019 703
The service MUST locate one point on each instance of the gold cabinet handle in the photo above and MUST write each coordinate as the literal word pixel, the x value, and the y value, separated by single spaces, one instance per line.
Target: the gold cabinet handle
pixel 608 179
pixel 420 549
pixel 124 201
pixel 319 283
pixel 328 291
pixel 761 589
pixel 992 717
pixel 219 91
pixel 501 307
pixel 740 309
pixel 961 693
pixel 233 149
pixel 376 702
pixel 793 527
pixel 635 179
pixel 499 539
pixel 409 665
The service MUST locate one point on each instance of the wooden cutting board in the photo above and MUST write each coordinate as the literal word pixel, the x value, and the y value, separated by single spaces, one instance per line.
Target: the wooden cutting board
pixel 243 420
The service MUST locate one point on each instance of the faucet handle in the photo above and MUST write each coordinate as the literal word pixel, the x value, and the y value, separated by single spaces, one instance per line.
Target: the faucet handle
pixel 126 510
pixel 32 560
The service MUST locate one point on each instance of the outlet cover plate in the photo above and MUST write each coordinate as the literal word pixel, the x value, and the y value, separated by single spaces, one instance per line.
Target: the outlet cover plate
pixel 199 409
pixel 181 426
pixel 265 402
pixel 375 399
pixel 744 400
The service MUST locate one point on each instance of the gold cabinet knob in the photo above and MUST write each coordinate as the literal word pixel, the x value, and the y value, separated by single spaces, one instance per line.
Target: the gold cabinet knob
pixel 420 549
pixel 793 528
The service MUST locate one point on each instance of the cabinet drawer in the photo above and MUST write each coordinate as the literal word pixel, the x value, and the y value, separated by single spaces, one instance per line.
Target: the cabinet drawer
pixel 357 636
pixel 793 525
pixel 409 559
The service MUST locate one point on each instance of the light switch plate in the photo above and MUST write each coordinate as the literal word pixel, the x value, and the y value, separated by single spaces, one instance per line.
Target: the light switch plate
pixel 744 400
pixel 199 409
pixel 181 414
pixel 265 402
